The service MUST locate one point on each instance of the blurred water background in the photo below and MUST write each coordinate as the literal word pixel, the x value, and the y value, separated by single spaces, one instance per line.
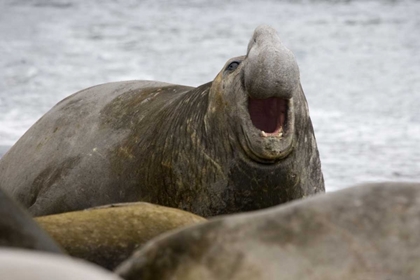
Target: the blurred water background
pixel 359 61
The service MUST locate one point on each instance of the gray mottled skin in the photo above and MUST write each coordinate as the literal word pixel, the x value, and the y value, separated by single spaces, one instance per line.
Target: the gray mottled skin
pixel 265 49
pixel 17 229
pixel 190 148
pixel 366 232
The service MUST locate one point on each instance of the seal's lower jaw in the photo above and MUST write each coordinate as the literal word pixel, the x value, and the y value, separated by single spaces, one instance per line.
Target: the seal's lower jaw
pixel 269 130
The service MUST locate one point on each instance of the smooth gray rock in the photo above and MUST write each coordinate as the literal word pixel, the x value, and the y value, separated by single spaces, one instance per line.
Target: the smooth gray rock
pixel 366 232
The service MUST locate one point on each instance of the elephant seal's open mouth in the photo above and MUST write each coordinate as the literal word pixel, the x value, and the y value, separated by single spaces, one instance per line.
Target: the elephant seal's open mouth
pixel 269 115
pixel 269 132
pixel 270 78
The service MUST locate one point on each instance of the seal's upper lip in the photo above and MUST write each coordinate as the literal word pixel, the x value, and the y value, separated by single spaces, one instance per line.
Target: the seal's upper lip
pixel 269 115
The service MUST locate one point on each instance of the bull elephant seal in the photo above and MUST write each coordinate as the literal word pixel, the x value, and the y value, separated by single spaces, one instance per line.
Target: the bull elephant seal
pixel 242 142
pixel 366 232
pixel 23 265
pixel 108 235
pixel 17 229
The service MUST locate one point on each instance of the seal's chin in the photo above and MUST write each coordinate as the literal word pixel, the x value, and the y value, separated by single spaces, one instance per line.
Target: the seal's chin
pixel 269 131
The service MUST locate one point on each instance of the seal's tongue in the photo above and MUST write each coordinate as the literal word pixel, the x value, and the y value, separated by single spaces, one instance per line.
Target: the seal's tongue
pixel 268 115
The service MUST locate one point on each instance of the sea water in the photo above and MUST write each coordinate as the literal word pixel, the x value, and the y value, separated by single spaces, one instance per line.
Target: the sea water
pixel 359 63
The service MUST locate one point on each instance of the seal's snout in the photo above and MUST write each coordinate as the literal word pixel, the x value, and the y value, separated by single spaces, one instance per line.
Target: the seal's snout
pixel 271 69
pixel 271 83
pixel 271 79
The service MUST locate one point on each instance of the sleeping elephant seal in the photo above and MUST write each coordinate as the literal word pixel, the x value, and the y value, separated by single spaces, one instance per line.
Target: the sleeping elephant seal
pixel 366 232
pixel 108 235
pixel 17 229
pixel 242 142
pixel 25 265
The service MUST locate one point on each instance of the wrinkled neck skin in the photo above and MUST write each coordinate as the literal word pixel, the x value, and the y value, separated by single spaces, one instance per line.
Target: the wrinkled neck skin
pixel 256 182
pixel 191 162
pixel 208 169
pixel 243 142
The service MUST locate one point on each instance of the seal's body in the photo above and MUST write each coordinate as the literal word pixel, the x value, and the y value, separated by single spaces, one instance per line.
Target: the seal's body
pixel 23 264
pixel 18 230
pixel 365 232
pixel 242 142
pixel 108 235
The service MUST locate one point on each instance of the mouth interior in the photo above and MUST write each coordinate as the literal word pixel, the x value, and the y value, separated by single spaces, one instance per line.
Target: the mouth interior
pixel 268 115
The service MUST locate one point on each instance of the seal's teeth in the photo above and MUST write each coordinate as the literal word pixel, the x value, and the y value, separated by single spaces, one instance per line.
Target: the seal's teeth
pixel 263 134
pixel 280 132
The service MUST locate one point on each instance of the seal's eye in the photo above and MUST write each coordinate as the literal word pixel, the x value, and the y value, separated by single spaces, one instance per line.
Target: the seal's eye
pixel 232 66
